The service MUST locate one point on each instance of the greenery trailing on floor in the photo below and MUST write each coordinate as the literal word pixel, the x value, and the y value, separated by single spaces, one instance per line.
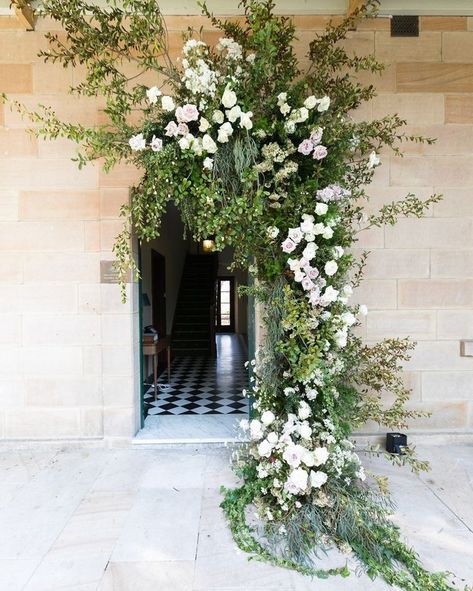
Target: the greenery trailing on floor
pixel 263 154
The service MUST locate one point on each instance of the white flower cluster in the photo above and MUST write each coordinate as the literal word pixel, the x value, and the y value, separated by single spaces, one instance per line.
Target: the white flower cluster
pixel 290 458
pixel 301 114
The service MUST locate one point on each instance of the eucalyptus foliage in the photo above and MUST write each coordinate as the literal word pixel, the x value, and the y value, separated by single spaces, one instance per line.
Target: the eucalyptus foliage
pixel 267 159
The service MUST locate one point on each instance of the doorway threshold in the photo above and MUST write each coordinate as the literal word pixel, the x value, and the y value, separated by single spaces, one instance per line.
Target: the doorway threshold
pixel 171 429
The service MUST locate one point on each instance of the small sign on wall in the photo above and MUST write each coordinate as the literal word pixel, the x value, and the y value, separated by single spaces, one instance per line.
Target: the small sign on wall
pixel 109 274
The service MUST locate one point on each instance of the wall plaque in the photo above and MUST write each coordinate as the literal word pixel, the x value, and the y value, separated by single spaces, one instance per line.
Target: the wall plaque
pixel 108 273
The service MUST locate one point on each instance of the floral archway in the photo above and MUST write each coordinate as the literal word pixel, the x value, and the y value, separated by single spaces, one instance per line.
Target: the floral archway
pixel 267 159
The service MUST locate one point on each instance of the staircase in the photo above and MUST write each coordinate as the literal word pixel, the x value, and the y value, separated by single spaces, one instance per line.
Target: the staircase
pixel 193 331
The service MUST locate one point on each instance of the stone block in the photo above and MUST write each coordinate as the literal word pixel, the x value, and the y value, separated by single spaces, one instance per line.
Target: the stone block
pixel 12 392
pixel 117 329
pixel 416 324
pixel 89 298
pixel 121 176
pixel 370 238
pixel 10 360
pixel 92 236
pixel 457 47
pixel 59 267
pixel 446 171
pixel 443 23
pixel 66 205
pixel 111 200
pixel 81 110
pixel 424 48
pixel 119 422
pixel 446 386
pixel 438 233
pixel 119 391
pixel 454 324
pixel 109 230
pixel 11 268
pixel 445 416
pixel 49 78
pixel 16 78
pixel 60 391
pixel 51 423
pixel 435 293
pixel 434 77
pixel 10 332
pixel 8 205
pixel 47 360
pixel 452 263
pixel 456 203
pixel 458 108
pixel 91 422
pixel 377 294
pixel 117 360
pixel 45 173
pixel 47 299
pixel 393 264
pixel 452 140
pixel 435 355
pixel 41 236
pixel 61 329
pixel 17 143
pixel 421 109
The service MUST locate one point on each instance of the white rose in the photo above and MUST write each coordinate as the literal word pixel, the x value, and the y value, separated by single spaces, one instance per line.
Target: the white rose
pixel 341 338
pixel 292 455
pixel 273 232
pixel 304 411
pixel 308 459
pixel 167 103
pixel 327 233
pixel 282 98
pixel 244 424
pixel 363 310
pixel 204 124
pixel 234 113
pixel 208 144
pixel 272 437
pixel 256 430
pixel 348 318
pixel 373 160
pixel 265 449
pixel 152 94
pixel 311 393
pixel 338 251
pixel 321 208
pixel 137 142
pixel 309 251
pixel 324 104
pixel 331 268
pixel 208 163
pixel 320 455
pixel 310 102
pixel 304 431
pixel 245 120
pixel 285 108
pixel 156 144
pixel 317 479
pixel 330 295
pixel 299 276
pixel 229 98
pixel 297 481
pixel 185 142
pixel 267 417
pixel 218 117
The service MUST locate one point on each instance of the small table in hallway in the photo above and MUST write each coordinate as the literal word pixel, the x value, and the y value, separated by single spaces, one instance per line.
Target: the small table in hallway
pixel 153 349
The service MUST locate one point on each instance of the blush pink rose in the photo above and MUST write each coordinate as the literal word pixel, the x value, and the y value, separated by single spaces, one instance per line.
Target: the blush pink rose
pixel 288 245
pixel 171 129
pixel 305 147
pixel 182 129
pixel 316 135
pixel 190 112
pixel 319 152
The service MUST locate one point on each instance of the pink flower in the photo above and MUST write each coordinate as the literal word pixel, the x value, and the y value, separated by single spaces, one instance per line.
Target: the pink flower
pixel 288 245
pixel 313 273
pixel 316 135
pixel 305 147
pixel 307 284
pixel 190 112
pixel 314 296
pixel 295 235
pixel 171 129
pixel 182 129
pixel 319 152
pixel 156 144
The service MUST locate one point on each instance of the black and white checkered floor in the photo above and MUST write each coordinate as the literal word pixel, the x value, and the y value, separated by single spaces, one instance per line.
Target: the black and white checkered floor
pixel 203 385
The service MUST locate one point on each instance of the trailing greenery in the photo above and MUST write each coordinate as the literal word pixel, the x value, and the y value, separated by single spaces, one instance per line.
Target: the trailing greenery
pixel 266 158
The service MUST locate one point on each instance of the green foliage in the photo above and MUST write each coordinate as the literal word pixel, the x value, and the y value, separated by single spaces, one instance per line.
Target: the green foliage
pixel 257 189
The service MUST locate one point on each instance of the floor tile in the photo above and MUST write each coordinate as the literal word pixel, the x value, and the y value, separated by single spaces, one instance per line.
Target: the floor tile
pixel 148 576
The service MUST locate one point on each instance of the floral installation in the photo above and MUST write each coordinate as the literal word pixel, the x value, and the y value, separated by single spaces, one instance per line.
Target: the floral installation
pixel 267 158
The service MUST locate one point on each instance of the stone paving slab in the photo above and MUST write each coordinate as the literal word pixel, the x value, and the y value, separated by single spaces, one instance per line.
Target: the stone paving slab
pixel 149 520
